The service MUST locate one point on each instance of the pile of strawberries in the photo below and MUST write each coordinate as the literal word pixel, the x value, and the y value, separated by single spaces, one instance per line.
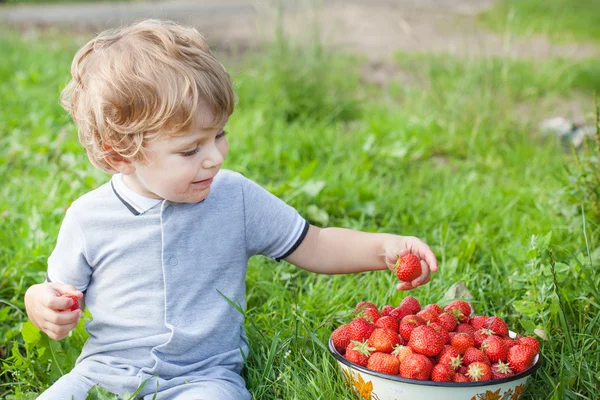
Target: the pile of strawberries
pixel 431 343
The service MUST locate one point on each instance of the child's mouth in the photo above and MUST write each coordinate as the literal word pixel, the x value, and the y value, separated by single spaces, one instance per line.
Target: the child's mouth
pixel 203 183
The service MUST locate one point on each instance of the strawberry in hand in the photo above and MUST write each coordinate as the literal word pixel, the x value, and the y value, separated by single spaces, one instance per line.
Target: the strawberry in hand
pixel 411 260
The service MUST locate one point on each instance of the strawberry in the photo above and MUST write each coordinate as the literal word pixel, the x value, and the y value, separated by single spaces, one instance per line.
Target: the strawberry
pixel 447 321
pixel 531 342
pixel 429 314
pixel 510 342
pixel 358 353
pixel 442 373
pixel 407 325
pixel 400 312
pixel 440 329
pixel 388 322
pixel 402 352
pixel 480 335
pixel 75 305
pixel 385 310
pixel 501 370
pixel 497 325
pixel 478 321
pixel 449 356
pixel 520 358
pixel 384 362
pixel 411 304
pixel 461 342
pixel 370 314
pixel 359 329
pixel 340 338
pixel 460 309
pixel 474 355
pixel 383 340
pixel 425 340
pixel 416 366
pixel 466 328
pixel 458 377
pixel 479 371
pixel 495 349
pixel 408 268
pixel 364 304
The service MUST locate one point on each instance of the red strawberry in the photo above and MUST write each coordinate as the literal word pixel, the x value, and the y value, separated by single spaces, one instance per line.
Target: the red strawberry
pixel 460 309
pixel 479 371
pixel 340 338
pixel 359 329
pixel 531 342
pixel 364 304
pixel 442 373
pixel 411 304
pixel 510 342
pixel 465 328
pixel 449 356
pixel 458 377
pixel 358 353
pixel 407 325
pixel 440 329
pixel 385 310
pixel 480 335
pixel 495 349
pixel 402 352
pixel 474 355
pixel 425 340
pixel 428 314
pixel 461 342
pixel 408 268
pixel 370 314
pixel 447 321
pixel 435 307
pixel 501 370
pixel 520 358
pixel 416 366
pixel 497 325
pixel 462 369
pixel 388 322
pixel 384 362
pixel 400 312
pixel 383 340
pixel 478 321
pixel 75 305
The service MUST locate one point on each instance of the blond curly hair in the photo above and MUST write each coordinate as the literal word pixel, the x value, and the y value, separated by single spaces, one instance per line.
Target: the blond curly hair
pixel 132 84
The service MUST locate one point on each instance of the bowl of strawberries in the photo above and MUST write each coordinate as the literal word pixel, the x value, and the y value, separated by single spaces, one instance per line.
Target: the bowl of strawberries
pixel 413 352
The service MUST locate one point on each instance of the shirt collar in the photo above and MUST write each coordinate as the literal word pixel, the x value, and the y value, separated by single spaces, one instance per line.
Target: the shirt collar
pixel 135 202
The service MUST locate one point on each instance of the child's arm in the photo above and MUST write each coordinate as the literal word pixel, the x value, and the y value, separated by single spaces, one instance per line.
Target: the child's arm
pixel 43 303
pixel 346 251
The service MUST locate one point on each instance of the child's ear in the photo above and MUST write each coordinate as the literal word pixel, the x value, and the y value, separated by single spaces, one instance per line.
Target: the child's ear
pixel 118 163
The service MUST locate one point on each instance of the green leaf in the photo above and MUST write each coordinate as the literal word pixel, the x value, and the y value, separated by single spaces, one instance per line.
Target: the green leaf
pixel 313 188
pixel 525 307
pixel 317 215
pixel 31 334
pixel 97 392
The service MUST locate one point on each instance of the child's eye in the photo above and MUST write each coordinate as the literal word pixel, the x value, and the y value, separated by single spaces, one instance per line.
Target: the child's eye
pixel 189 153
pixel 221 134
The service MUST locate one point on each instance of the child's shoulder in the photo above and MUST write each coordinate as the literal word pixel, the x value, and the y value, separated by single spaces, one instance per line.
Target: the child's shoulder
pixel 95 199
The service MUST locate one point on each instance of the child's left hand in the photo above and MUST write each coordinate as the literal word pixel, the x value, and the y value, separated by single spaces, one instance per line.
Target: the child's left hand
pixel 402 245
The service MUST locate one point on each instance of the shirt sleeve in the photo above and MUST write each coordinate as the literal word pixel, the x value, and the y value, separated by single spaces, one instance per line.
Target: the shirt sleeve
pixel 273 228
pixel 68 264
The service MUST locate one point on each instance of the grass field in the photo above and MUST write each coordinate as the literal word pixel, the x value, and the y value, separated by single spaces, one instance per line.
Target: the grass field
pixel 451 155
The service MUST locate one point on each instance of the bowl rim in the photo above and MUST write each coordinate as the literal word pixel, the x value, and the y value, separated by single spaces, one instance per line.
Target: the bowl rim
pixel 340 358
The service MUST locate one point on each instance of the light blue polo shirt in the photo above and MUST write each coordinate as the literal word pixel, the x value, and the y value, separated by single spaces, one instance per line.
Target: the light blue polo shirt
pixel 159 277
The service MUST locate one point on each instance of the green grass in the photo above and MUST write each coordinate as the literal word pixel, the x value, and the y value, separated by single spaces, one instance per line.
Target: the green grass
pixel 451 158
pixel 561 20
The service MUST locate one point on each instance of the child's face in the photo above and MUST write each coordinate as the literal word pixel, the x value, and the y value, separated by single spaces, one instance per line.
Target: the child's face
pixel 181 168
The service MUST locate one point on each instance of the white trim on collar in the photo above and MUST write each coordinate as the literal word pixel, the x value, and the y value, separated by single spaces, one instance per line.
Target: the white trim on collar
pixel 140 203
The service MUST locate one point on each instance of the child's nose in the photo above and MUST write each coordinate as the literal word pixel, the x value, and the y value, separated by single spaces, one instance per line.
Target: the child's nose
pixel 214 158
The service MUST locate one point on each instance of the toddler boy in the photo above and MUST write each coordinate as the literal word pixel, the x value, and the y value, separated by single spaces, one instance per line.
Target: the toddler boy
pixel 162 248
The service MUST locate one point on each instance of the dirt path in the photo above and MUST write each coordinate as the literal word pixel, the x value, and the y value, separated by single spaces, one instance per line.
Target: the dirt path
pixel 375 28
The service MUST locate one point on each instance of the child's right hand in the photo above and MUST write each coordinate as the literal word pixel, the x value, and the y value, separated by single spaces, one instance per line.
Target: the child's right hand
pixel 44 303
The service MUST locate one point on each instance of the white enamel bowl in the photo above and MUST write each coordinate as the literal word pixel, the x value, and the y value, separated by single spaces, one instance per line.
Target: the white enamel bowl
pixel 371 385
